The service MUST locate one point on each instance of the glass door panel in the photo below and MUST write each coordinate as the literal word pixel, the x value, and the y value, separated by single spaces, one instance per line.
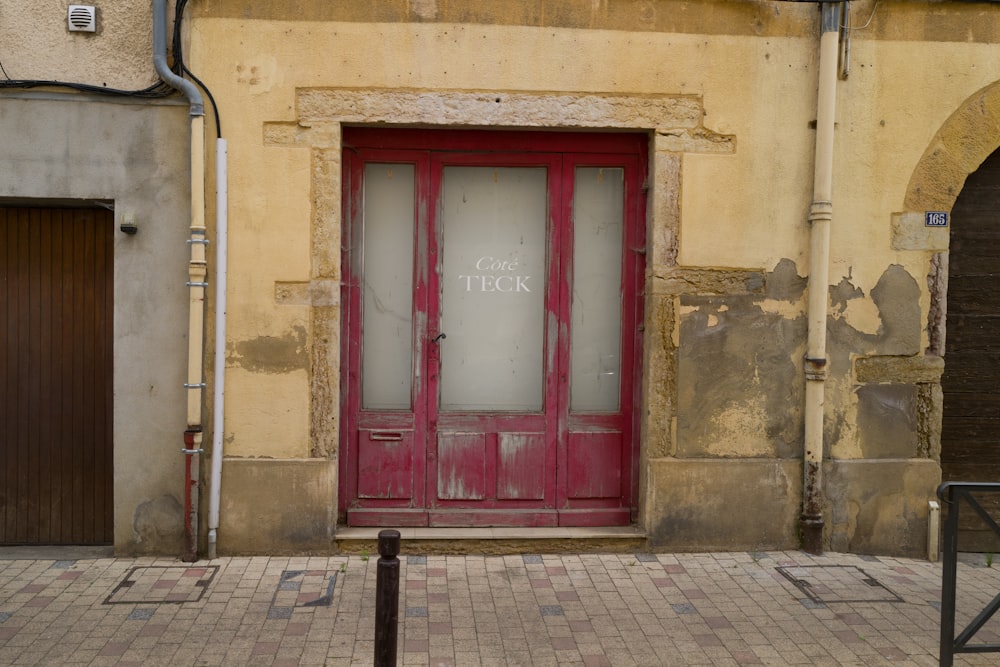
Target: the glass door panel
pixel 493 288
pixel 387 300
pixel 595 348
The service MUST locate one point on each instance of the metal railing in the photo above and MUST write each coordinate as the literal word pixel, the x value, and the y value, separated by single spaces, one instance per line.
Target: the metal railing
pixel 952 494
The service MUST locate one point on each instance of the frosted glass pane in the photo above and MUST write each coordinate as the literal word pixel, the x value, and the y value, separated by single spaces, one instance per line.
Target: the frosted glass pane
pixel 493 288
pixel 595 339
pixel 387 338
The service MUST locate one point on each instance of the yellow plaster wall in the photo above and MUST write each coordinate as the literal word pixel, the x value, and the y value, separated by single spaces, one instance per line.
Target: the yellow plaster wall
pixel 746 209
pixel 254 72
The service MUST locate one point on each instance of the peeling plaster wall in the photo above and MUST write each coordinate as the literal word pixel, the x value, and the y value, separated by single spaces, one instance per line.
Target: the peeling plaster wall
pixel 740 396
pixel 739 388
pixel 727 92
pixel 873 506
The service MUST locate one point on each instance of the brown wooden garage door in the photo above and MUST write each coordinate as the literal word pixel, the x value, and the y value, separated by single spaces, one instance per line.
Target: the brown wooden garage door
pixel 970 438
pixel 56 333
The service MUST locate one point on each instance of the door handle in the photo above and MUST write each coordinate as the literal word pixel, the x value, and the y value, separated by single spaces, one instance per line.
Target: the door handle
pixel 440 336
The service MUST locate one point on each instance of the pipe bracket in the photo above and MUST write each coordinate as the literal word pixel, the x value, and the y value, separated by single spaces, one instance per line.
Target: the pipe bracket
pixel 815 369
pixel 195 284
pixel 821 211
pixel 192 451
pixel 195 385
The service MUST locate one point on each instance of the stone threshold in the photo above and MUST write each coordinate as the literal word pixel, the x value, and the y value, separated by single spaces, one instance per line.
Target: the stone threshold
pixel 498 541
pixel 498 533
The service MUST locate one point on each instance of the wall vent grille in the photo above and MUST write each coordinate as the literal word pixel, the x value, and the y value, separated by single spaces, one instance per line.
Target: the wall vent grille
pixel 82 18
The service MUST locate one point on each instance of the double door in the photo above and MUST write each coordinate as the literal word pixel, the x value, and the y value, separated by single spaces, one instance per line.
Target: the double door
pixel 491 308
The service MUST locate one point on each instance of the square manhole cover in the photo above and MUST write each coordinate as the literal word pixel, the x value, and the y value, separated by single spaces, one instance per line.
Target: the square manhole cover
pixel 837 583
pixel 161 585
pixel 302 588
pixel 305 588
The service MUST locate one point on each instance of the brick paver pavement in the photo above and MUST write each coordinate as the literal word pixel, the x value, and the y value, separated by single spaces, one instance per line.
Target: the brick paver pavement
pixel 777 608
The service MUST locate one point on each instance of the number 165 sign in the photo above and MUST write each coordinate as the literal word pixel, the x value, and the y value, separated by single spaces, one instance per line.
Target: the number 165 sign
pixel 935 219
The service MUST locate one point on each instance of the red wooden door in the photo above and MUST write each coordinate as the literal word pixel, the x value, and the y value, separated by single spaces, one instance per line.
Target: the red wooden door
pixel 491 301
pixel 56 335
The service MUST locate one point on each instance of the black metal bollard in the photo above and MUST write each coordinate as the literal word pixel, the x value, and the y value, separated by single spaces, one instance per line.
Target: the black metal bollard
pixel 387 599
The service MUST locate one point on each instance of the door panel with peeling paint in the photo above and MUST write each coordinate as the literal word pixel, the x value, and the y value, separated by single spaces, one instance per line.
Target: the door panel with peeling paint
pixel 492 297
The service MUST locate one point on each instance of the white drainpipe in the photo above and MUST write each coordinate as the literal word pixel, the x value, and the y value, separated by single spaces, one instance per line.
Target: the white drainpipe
pixel 820 215
pixel 221 273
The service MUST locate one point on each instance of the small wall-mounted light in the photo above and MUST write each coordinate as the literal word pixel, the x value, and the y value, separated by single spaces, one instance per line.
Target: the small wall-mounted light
pixel 81 18
pixel 128 224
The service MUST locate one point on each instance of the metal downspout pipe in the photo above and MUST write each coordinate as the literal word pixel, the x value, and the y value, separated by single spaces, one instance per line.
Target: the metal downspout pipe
pixel 219 382
pixel 820 215
pixel 197 273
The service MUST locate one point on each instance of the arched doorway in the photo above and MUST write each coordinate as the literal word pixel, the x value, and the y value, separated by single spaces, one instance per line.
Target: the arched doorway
pixel 970 433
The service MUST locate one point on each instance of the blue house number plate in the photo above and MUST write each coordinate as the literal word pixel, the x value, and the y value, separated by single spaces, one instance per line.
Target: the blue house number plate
pixel 935 219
